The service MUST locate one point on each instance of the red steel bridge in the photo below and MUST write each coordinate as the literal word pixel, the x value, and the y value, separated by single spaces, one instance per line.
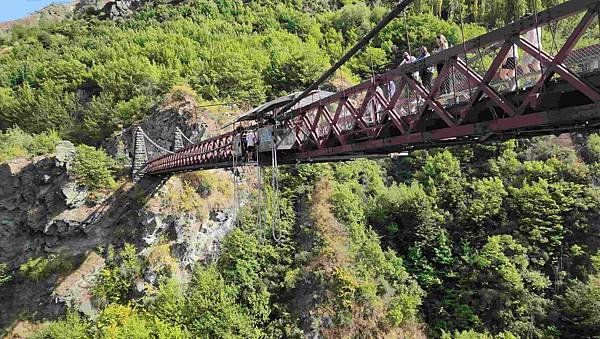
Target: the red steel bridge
pixel 467 102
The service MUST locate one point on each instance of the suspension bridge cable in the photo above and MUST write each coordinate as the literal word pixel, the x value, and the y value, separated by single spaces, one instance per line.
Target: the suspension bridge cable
pixel 186 138
pixel 399 8
pixel 155 144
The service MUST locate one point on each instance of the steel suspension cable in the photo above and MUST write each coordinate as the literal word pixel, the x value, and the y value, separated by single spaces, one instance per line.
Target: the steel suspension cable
pixel 155 144
pixel 186 138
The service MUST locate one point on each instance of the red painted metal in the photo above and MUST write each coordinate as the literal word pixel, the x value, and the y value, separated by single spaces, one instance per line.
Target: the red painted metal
pixel 367 120
pixel 555 64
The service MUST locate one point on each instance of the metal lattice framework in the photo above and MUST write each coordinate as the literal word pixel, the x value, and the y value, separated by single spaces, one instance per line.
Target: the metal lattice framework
pixel 465 103
pixel 211 153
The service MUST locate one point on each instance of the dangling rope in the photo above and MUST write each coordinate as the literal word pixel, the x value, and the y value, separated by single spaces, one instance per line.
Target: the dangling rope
pixel 515 70
pixel 462 32
pixel 236 189
pixel 276 206
pixel 260 197
pixel 406 31
pixel 538 33
pixel 553 33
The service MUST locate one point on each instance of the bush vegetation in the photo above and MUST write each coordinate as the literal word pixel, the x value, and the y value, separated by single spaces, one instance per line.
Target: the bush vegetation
pixel 116 280
pixel 85 78
pixel 15 143
pixel 93 168
pixel 4 274
pixel 41 267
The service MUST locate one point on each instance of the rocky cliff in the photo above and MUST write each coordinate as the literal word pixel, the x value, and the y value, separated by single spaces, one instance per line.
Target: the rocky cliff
pixel 105 9
pixel 45 214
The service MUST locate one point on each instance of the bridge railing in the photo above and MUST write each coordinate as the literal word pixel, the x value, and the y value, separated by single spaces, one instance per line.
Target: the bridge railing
pixel 210 152
pixel 403 98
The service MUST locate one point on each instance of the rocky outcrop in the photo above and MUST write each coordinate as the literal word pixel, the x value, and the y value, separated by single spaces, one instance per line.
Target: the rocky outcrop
pixel 91 6
pixel 52 12
pixel 115 9
pixel 124 8
pixel 105 9
pixel 45 213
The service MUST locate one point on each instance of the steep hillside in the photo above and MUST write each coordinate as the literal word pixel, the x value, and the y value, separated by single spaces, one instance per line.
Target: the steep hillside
pixel 485 241
pixel 60 215
pixel 51 13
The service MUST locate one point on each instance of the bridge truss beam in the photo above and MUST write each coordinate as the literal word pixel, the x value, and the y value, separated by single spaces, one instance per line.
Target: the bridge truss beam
pixel 466 103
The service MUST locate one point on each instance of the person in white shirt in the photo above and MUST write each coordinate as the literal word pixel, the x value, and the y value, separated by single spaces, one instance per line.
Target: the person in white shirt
pixel 425 74
pixel 530 62
pixel 406 59
pixel 251 141
pixel 443 44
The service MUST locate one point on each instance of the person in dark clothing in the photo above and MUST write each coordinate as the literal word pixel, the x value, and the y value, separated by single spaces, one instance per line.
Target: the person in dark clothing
pixel 426 74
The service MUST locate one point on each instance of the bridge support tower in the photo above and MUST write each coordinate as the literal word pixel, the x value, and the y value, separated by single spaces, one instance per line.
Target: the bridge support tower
pixel 140 156
pixel 178 142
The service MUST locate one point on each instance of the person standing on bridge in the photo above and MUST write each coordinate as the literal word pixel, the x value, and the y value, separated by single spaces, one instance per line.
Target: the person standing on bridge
pixel 530 62
pixel 240 131
pixel 509 67
pixel 426 73
pixel 442 43
pixel 251 142
pixel 409 59
pixel 406 59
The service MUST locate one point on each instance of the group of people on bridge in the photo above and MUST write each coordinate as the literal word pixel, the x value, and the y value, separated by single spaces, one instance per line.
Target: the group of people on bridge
pixel 508 71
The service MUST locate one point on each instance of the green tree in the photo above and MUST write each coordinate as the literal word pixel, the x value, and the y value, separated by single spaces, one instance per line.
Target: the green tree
pixel 211 309
pixel 93 168
pixel 73 326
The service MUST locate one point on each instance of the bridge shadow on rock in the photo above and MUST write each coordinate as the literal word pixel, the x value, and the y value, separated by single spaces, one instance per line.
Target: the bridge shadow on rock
pixel 43 214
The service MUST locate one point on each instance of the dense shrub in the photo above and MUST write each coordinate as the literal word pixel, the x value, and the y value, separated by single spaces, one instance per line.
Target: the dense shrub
pixel 4 274
pixel 73 326
pixel 41 267
pixel 87 78
pixel 93 168
pixel 116 280
pixel 593 147
pixel 15 143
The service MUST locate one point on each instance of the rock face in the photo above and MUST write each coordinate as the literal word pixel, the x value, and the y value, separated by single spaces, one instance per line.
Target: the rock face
pixel 115 9
pixel 91 6
pixel 106 9
pixel 52 12
pixel 45 213
pixel 124 8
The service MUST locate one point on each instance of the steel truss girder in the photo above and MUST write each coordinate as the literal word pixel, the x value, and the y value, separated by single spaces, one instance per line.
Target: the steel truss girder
pixel 322 134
